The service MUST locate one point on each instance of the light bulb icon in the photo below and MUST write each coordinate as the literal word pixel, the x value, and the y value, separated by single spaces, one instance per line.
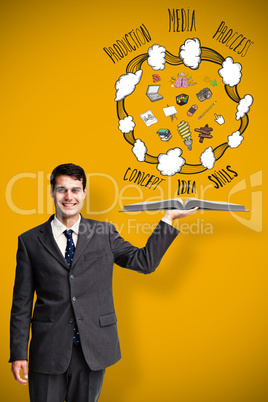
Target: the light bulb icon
pixel 185 133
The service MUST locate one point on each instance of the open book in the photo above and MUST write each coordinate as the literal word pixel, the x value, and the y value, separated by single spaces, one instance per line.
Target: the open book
pixel 177 203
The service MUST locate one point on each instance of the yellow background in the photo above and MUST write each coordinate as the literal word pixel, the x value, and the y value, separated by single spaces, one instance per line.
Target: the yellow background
pixel 195 330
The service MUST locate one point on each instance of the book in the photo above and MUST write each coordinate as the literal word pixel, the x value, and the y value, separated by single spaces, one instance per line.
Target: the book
pixel 190 203
pixel 166 138
pixel 163 131
pixel 164 134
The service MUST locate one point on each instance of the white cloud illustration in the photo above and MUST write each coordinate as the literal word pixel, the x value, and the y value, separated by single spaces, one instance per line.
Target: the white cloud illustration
pixel 126 84
pixel 190 53
pixel 171 162
pixel 244 106
pixel 156 57
pixel 230 72
pixel 126 124
pixel 139 150
pixel 235 139
pixel 207 158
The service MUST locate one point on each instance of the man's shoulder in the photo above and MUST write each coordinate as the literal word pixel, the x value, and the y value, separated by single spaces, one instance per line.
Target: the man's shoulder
pixel 100 226
pixel 93 223
pixel 35 230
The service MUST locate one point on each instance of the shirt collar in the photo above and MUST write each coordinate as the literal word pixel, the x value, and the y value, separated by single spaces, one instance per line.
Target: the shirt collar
pixel 59 227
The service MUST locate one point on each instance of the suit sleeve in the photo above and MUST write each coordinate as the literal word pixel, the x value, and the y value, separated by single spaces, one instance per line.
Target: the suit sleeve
pixel 21 310
pixel 144 259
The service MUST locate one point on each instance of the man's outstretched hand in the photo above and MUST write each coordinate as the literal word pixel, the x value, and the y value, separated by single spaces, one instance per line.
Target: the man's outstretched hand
pixel 178 213
pixel 16 367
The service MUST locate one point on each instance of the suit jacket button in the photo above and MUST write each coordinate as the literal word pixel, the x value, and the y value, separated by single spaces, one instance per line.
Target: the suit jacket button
pixel 72 276
pixel 74 298
pixel 71 320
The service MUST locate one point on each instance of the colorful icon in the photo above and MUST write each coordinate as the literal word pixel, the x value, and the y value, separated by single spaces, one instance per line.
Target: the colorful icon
pixel 192 110
pixel 156 78
pixel 185 133
pixel 153 94
pixel 171 112
pixel 183 81
pixel 200 117
pixel 204 94
pixel 148 118
pixel 182 99
pixel 205 132
pixel 219 119
pixel 164 134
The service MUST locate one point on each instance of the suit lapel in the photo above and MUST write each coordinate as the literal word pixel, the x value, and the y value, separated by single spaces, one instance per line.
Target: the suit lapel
pixel 47 239
pixel 86 232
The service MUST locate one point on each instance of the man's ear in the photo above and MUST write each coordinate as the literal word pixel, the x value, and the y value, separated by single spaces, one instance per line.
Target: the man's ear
pixel 85 192
pixel 51 193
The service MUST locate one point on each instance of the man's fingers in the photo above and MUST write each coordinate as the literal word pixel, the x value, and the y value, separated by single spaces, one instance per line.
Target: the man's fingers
pixel 178 213
pixel 184 213
pixel 18 378
pixel 192 211
pixel 16 367
pixel 25 371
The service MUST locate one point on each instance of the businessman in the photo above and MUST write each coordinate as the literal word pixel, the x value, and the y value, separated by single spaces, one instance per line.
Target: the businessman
pixel 68 263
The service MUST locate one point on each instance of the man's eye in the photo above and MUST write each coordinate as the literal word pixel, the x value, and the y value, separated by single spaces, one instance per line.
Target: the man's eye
pixel 60 190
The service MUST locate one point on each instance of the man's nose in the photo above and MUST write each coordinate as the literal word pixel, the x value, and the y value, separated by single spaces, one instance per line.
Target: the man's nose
pixel 68 194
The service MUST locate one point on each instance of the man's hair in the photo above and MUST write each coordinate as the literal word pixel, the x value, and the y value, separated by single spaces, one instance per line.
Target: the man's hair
pixel 68 169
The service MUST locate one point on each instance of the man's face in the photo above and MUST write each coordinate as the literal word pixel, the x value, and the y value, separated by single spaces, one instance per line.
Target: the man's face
pixel 68 197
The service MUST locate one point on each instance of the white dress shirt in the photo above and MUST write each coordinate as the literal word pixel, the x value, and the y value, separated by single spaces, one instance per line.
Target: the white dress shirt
pixel 58 232
pixel 166 220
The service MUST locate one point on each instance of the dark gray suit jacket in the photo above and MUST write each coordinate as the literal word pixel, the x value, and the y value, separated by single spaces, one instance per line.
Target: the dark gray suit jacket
pixel 82 293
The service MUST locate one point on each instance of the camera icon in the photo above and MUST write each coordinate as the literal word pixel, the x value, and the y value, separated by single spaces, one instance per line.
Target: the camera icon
pixel 204 94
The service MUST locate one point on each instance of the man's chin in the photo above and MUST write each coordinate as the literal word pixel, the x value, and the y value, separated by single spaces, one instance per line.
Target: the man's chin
pixel 69 214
